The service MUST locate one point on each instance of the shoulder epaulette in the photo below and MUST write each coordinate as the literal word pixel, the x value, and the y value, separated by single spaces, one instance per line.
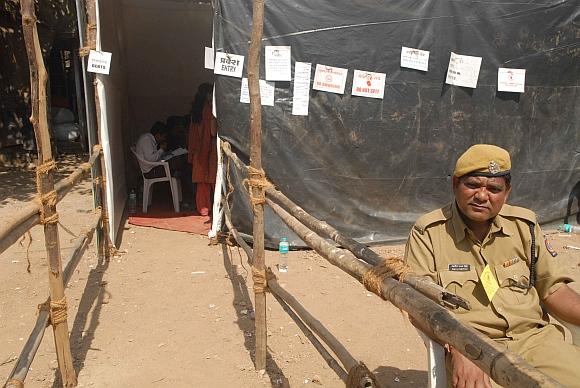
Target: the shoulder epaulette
pixel 439 215
pixel 518 212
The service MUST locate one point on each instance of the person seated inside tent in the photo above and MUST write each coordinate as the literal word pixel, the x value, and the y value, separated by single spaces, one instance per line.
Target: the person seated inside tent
pixel 176 133
pixel 494 255
pixel 152 147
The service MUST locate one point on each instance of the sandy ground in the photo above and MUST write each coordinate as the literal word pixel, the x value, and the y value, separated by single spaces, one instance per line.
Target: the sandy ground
pixel 171 311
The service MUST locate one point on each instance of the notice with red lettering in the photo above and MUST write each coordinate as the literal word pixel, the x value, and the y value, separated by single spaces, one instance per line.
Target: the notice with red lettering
pixel 330 79
pixel 99 62
pixel 463 70
pixel 368 84
pixel 229 64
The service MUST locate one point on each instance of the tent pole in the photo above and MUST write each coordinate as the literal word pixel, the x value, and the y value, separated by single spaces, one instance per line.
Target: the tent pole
pixel 47 193
pixel 256 190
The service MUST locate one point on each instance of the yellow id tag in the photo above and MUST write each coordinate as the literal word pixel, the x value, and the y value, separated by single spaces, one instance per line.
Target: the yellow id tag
pixel 489 283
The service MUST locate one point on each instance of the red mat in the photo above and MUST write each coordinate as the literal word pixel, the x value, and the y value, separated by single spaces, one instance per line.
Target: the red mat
pixel 162 216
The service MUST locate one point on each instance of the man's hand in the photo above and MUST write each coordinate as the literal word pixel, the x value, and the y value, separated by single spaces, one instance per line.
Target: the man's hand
pixel 465 373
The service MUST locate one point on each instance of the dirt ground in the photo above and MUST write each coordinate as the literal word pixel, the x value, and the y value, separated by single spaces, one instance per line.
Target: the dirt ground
pixel 171 311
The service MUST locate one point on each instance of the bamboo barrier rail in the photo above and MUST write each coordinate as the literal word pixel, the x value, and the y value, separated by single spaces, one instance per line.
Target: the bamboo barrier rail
pixel 20 370
pixel 29 216
pixel 421 284
pixel 358 375
pixel 503 366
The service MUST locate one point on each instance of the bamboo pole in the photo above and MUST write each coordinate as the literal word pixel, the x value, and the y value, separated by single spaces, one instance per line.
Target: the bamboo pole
pixel 257 192
pixel 104 242
pixel 28 216
pixel 501 365
pixel 34 340
pixel 421 284
pixel 45 184
pixel 330 361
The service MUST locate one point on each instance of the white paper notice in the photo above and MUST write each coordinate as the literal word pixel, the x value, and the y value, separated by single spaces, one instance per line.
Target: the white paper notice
pixel 99 62
pixel 229 64
pixel 213 108
pixel 330 79
pixel 463 70
pixel 368 84
pixel 209 61
pixel 414 58
pixel 278 64
pixel 266 92
pixel 511 80
pixel 301 95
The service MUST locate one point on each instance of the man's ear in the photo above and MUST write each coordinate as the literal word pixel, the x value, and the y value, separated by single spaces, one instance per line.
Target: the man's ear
pixel 454 182
pixel 508 191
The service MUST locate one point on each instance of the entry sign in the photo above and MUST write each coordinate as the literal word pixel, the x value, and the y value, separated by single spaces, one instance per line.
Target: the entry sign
pixel 99 62
pixel 229 64
pixel 368 84
pixel 330 79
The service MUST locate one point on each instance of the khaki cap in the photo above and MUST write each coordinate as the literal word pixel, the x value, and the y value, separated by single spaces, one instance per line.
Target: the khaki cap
pixel 483 160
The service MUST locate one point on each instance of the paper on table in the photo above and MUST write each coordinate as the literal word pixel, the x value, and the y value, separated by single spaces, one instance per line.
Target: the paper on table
pixel 368 84
pixel 266 92
pixel 229 64
pixel 209 60
pixel 330 79
pixel 414 58
pixel 278 63
pixel 463 70
pixel 301 95
pixel 511 80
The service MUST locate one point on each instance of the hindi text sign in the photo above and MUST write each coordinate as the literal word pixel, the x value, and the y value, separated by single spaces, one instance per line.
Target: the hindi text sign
pixel 463 70
pixel 368 84
pixel 330 79
pixel 229 64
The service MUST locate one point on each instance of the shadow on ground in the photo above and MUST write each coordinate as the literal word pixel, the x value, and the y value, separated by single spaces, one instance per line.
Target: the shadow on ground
pixel 244 309
pixel 389 376
pixel 18 184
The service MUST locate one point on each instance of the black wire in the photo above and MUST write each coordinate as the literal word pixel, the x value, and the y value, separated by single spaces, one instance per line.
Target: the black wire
pixel 534 258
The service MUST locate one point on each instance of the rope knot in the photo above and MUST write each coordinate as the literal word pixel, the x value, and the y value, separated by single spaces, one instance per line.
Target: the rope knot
pixel 256 180
pixel 390 267
pixel 259 278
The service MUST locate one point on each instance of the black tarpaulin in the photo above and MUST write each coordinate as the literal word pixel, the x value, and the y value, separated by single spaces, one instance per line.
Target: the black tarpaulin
pixel 371 167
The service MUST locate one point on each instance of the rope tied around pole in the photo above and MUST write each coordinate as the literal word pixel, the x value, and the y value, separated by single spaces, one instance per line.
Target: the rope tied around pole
pixel 58 311
pixel 390 267
pixel 15 383
pixel 259 278
pixel 49 199
pixel 256 179
pixel 359 376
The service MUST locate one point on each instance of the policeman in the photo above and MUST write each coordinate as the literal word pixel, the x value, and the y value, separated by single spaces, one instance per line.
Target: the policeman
pixel 493 255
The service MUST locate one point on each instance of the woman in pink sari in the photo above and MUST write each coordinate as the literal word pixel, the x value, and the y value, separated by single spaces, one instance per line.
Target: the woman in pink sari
pixel 202 152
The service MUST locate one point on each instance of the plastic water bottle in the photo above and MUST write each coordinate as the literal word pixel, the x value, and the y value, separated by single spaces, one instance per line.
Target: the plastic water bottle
pixel 132 202
pixel 567 228
pixel 283 248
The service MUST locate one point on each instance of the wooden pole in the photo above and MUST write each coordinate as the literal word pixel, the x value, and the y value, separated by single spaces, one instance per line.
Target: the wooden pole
pixel 332 363
pixel 421 284
pixel 104 242
pixel 503 366
pixel 34 340
pixel 257 192
pixel 47 194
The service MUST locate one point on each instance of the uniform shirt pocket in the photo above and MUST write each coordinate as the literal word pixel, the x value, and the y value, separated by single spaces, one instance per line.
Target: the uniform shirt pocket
pixel 514 280
pixel 459 282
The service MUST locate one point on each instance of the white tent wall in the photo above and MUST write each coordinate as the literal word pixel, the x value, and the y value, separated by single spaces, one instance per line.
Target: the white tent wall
pixel 157 65
pixel 112 102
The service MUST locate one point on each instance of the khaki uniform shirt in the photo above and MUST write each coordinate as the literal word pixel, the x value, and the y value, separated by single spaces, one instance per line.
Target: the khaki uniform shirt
pixel 443 248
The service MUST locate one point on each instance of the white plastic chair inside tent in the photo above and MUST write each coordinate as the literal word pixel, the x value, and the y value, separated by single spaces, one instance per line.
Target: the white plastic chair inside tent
pixel 174 183
pixel 437 375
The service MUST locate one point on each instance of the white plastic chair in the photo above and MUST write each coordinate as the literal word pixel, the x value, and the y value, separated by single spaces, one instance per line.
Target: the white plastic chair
pixel 437 374
pixel 174 183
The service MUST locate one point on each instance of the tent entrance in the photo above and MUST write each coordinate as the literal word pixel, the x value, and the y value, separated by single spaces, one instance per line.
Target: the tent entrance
pixel 157 65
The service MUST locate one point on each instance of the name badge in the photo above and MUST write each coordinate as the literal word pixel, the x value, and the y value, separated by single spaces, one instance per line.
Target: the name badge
pixel 459 267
